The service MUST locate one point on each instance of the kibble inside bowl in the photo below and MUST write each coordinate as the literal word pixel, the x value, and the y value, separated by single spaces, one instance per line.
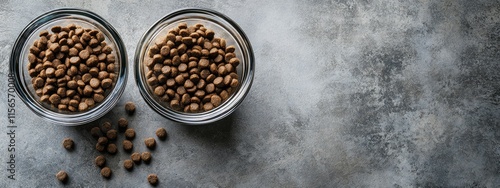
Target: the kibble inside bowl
pixel 70 66
pixel 194 66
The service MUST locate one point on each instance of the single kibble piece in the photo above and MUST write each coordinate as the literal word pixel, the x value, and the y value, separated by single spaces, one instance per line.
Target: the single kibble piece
pixel 100 147
pixel 128 164
pixel 127 145
pixel 112 149
pixel 150 142
pixel 96 132
pixel 130 134
pixel 106 126
pixel 100 161
pixel 111 134
pixel 102 140
pixel 146 157
pixel 161 133
pixel 136 157
pixel 130 107
pixel 106 172
pixel 153 179
pixel 122 124
pixel 62 176
pixel 68 143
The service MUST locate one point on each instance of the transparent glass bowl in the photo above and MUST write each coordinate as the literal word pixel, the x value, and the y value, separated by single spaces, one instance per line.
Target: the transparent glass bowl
pixel 223 27
pixel 19 63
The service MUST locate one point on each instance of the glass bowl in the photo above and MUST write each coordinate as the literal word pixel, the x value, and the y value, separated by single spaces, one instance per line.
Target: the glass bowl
pixel 19 63
pixel 223 27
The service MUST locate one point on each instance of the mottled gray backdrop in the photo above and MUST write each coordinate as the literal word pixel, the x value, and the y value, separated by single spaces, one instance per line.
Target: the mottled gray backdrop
pixel 346 94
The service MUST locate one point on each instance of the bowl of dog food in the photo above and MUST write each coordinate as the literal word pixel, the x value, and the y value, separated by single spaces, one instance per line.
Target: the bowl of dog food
pixel 70 66
pixel 194 66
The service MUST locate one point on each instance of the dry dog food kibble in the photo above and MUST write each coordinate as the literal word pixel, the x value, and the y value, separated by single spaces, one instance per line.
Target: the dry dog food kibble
pixel 127 145
pixel 102 141
pixel 130 134
pixel 106 172
pixel 72 68
pixel 95 132
pixel 122 124
pixel 100 147
pixel 150 142
pixel 100 161
pixel 136 157
pixel 130 107
pixel 68 143
pixel 111 134
pixel 146 157
pixel 112 149
pixel 161 133
pixel 153 179
pixel 106 126
pixel 191 70
pixel 128 164
pixel 62 176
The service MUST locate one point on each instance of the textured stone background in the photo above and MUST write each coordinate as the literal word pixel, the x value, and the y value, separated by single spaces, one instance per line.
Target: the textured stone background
pixel 346 94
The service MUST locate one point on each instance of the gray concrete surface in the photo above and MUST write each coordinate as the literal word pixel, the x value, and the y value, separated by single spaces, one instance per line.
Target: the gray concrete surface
pixel 346 94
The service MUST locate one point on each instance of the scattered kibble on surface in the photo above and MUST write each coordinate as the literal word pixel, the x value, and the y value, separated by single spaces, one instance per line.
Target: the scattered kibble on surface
pixel 68 143
pixel 153 179
pixel 150 142
pixel 100 161
pixel 128 164
pixel 62 176
pixel 106 172
pixel 136 157
pixel 127 145
pixel 122 124
pixel 130 108
pixel 161 133
pixel 146 156
pixel 130 134
pixel 112 149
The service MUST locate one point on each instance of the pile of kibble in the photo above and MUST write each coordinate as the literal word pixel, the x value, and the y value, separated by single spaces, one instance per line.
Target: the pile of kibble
pixel 106 137
pixel 191 69
pixel 72 68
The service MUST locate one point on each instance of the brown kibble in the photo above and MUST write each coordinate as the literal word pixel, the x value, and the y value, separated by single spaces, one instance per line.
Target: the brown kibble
pixel 106 172
pixel 100 147
pixel 106 83
pixel 130 134
pixel 161 133
pixel 111 134
pixel 234 62
pixel 95 132
pixel 84 54
pixel 234 82
pixel 102 140
pixel 94 82
pixel 122 124
pixel 159 91
pixel 153 179
pixel 127 145
pixel 98 97
pixel 215 100
pixel 112 149
pixel 55 99
pixel 130 107
pixel 194 107
pixel 100 161
pixel 62 176
pixel 208 106
pixel 150 142
pixel 128 164
pixel 68 143
pixel 136 157
pixel 146 157
pixel 219 82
